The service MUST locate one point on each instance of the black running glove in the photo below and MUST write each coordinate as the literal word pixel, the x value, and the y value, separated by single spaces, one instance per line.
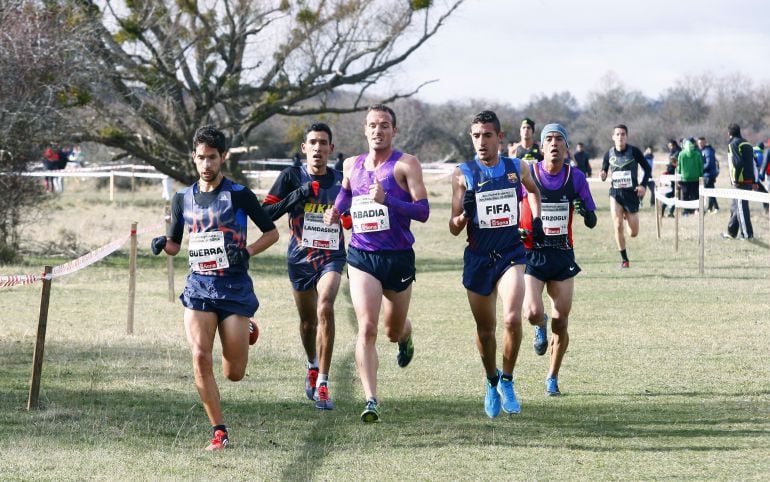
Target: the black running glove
pixel 469 204
pixel 538 235
pixel 157 245
pixel 237 256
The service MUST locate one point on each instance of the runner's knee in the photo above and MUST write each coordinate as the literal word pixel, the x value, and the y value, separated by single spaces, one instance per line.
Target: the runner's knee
pixel 559 325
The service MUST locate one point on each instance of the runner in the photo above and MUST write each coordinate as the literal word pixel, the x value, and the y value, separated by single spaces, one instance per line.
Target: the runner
pixel 384 191
pixel 623 161
pixel 485 194
pixel 316 253
pixel 219 295
pixel 551 262
pixel 526 149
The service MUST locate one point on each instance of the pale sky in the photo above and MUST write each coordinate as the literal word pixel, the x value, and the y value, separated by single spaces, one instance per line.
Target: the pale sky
pixel 510 50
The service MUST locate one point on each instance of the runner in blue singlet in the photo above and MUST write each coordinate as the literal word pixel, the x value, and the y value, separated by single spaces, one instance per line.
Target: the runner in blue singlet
pixel 485 194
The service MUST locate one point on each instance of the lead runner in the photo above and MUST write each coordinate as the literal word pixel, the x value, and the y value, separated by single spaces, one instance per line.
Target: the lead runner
pixel 384 191
pixel 219 295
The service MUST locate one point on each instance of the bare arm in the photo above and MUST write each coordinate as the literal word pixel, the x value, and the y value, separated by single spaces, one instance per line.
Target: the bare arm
pixel 266 240
pixel 457 221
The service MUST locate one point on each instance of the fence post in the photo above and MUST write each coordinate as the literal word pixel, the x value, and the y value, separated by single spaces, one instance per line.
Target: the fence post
pixel 133 180
pixel 701 232
pixel 131 281
pixel 112 186
pixel 658 206
pixel 169 262
pixel 676 217
pixel 37 359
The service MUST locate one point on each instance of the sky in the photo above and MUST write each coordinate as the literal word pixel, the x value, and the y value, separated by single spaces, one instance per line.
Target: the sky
pixel 511 50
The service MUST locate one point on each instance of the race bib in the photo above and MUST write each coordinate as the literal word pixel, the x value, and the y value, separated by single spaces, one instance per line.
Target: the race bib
pixel 207 251
pixel 369 216
pixel 316 234
pixel 555 217
pixel 621 179
pixel 497 209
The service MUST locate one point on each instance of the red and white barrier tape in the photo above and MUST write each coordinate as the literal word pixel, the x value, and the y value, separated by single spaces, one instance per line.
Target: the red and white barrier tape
pixel 7 281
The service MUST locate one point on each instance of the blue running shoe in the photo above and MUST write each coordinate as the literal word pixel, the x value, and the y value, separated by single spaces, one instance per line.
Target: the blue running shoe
pixel 552 387
pixel 405 352
pixel 541 337
pixel 371 413
pixel 492 400
pixel 505 389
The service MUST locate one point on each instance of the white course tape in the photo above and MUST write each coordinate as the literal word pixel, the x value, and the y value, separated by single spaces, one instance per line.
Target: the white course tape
pixel 7 281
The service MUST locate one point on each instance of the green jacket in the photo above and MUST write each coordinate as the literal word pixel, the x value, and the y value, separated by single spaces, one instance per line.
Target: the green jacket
pixel 690 165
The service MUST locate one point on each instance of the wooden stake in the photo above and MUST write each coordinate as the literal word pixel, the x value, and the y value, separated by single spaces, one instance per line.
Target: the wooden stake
pixel 37 359
pixel 131 281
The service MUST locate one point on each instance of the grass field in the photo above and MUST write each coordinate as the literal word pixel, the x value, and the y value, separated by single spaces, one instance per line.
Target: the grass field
pixel 667 374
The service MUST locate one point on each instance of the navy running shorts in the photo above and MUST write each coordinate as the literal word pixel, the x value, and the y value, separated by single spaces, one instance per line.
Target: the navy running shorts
pixel 481 272
pixel 627 199
pixel 395 270
pixel 305 277
pixel 551 264
pixel 223 295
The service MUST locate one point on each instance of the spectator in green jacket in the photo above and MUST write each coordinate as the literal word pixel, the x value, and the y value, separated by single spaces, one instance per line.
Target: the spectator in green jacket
pixel 690 169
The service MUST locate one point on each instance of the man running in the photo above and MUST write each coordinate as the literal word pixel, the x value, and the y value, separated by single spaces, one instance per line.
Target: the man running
pixel 219 295
pixel 485 202
pixel 384 191
pixel 623 161
pixel 551 262
pixel 316 253
pixel 526 149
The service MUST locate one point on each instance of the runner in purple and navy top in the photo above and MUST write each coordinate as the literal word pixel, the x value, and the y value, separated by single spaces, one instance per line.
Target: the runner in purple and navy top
pixel 551 260
pixel 316 253
pixel 384 191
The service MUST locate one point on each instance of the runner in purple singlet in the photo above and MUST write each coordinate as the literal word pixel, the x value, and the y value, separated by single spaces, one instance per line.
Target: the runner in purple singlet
pixel 384 191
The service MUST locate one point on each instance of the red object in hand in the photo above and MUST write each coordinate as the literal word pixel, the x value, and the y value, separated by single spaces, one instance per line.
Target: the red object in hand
pixel 314 185
pixel 347 221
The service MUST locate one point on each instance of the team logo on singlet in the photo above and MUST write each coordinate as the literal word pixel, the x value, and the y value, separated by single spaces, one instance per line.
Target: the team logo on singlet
pixel 512 177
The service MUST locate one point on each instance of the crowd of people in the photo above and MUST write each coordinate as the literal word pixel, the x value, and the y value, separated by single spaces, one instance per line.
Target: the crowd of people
pixel 516 206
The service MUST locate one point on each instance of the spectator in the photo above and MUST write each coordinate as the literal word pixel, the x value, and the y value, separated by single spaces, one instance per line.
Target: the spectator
pixel 710 171
pixel 650 158
pixel 340 162
pixel 581 160
pixel 690 170
pixel 740 156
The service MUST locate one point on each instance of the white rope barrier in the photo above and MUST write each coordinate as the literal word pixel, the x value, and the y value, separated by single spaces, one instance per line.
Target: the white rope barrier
pixel 7 281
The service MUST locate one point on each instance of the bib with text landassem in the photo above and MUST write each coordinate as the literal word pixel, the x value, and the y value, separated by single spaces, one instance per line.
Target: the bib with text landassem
pixel 316 234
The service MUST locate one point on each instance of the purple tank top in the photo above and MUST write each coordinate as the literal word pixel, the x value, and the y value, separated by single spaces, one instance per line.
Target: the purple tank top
pixel 398 237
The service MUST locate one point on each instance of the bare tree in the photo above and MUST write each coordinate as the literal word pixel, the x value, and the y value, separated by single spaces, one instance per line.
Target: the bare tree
pixel 36 88
pixel 175 65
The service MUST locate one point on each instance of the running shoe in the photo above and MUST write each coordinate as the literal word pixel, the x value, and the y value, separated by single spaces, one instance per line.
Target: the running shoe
pixel 405 352
pixel 322 400
pixel 625 264
pixel 492 399
pixel 509 402
pixel 552 387
pixel 310 381
pixel 219 442
pixel 371 413
pixel 253 332
pixel 541 337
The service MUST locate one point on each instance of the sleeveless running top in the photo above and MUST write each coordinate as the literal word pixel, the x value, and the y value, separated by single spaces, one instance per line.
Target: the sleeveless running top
pixel 495 226
pixel 391 232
